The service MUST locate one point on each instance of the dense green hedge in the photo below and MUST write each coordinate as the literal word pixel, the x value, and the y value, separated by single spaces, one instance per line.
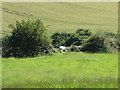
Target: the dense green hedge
pixel 29 38
pixel 68 39
pixel 89 42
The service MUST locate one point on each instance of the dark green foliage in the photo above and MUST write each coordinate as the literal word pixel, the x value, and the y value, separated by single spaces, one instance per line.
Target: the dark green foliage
pixel 68 39
pixel 101 42
pixel 6 47
pixel 0 42
pixel 94 44
pixel 59 39
pixel 118 42
pixel 28 38
pixel 75 39
pixel 110 35
pixel 111 44
pixel 111 41
pixel 75 48
pixel 78 37
pixel 56 50
pixel 0 46
pixel 84 32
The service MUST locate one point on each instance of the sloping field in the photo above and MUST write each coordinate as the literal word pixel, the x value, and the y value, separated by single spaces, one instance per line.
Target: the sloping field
pixel 64 16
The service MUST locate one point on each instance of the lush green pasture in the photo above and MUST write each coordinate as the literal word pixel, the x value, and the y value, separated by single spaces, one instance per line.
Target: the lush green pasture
pixel 61 70
pixel 64 16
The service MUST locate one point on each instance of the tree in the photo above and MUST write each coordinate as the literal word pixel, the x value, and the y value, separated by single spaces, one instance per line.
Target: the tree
pixel 28 38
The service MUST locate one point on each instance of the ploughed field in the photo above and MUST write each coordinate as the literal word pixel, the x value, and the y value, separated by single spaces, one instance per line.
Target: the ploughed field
pixel 61 70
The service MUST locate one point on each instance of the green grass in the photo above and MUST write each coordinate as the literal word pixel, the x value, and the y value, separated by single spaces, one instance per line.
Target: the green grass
pixel 64 16
pixel 61 70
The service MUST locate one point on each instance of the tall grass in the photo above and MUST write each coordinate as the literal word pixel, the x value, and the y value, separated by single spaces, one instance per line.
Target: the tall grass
pixel 61 70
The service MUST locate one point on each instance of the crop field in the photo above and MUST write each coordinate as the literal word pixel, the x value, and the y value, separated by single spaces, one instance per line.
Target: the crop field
pixel 64 16
pixel 62 70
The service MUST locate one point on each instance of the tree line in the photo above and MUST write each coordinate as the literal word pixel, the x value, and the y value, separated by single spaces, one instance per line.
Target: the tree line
pixel 30 38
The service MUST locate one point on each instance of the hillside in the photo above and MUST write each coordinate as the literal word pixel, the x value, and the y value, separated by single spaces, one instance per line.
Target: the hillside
pixel 64 16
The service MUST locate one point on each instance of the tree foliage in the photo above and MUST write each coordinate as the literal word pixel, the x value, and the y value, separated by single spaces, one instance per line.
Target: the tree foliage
pixel 28 38
pixel 59 39
pixel 68 39
pixel 101 42
pixel 75 39
pixel 84 32
pixel 93 44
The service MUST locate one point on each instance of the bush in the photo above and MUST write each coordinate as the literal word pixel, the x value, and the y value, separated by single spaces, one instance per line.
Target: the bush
pixel 75 39
pixel 110 34
pixel 111 41
pixel 68 39
pixel 84 32
pixel 6 49
pixel 59 39
pixel 78 37
pixel 94 44
pixel 76 48
pixel 28 38
pixel 101 42
pixel 56 50
pixel 111 44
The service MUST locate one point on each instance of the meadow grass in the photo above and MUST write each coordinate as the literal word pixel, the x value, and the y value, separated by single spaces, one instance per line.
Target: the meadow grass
pixel 64 16
pixel 61 70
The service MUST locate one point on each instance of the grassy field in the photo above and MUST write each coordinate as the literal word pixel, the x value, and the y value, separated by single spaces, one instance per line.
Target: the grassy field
pixel 61 70
pixel 64 16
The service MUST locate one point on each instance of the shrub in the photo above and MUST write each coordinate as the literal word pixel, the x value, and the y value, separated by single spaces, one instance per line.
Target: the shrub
pixel 110 34
pixel 67 39
pixel 6 49
pixel 75 39
pixel 94 44
pixel 111 44
pixel 84 32
pixel 111 41
pixel 101 42
pixel 56 50
pixel 59 39
pixel 76 48
pixel 28 38
pixel 78 37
